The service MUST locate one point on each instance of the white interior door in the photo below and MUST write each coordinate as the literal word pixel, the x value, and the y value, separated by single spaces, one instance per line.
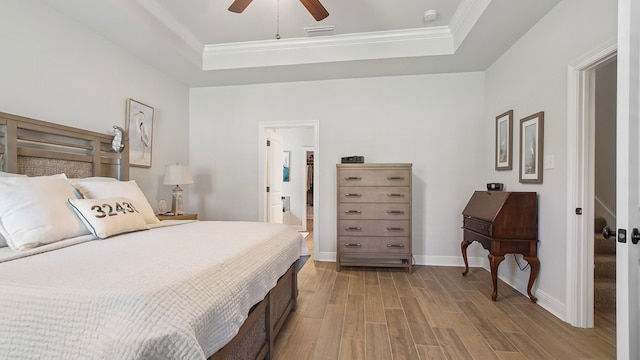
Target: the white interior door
pixel 274 177
pixel 628 181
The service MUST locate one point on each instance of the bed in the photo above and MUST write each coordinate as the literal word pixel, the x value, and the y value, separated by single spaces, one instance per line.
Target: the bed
pixel 98 277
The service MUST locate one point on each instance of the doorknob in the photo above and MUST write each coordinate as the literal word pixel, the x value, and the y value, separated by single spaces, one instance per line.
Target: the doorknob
pixel 635 235
pixel 607 233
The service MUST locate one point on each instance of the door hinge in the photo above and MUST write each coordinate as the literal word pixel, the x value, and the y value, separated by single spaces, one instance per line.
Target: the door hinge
pixel 578 211
pixel 268 189
pixel 268 142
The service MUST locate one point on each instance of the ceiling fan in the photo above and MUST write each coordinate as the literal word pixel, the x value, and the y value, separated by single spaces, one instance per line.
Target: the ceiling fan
pixel 314 7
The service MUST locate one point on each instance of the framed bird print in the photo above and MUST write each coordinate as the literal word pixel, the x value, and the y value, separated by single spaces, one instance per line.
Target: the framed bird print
pixel 531 148
pixel 504 140
pixel 140 130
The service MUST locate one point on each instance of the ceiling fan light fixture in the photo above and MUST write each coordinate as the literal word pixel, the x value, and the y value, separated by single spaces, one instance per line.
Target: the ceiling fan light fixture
pixel 429 16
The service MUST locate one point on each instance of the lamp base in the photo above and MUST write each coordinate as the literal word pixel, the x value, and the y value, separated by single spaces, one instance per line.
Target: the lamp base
pixel 177 205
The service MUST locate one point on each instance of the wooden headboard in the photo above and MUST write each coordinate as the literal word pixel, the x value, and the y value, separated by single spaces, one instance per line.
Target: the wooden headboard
pixel 34 147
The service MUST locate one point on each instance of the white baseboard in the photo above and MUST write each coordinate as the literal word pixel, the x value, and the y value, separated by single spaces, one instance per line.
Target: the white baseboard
pixel 549 303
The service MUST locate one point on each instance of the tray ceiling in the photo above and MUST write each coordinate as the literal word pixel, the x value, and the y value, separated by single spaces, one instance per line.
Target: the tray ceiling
pixel 200 43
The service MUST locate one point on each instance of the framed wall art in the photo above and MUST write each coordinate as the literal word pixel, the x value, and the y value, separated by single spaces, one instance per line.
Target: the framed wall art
pixel 286 166
pixel 531 148
pixel 140 130
pixel 504 141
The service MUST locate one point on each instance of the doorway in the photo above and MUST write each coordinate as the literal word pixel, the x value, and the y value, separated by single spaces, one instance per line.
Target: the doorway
pixel 298 139
pixel 581 180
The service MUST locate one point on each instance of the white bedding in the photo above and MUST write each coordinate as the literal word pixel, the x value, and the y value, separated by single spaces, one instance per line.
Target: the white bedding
pixel 178 292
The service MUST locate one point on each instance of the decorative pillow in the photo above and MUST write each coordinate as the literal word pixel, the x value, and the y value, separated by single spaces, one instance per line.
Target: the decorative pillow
pixel 125 189
pixel 34 211
pixel 108 217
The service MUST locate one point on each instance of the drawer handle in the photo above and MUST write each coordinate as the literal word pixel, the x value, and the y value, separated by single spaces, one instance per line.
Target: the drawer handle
pixel 395 212
pixel 395 246
pixel 353 228
pixel 352 245
pixel 353 195
pixel 395 229
pixel 395 195
pixel 353 212
pixel 395 178
pixel 351 178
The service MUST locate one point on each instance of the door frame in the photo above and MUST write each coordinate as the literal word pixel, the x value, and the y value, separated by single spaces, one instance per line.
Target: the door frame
pixel 580 183
pixel 262 181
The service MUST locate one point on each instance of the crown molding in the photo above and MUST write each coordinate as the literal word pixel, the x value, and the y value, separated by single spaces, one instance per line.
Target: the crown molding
pixel 465 17
pixel 347 47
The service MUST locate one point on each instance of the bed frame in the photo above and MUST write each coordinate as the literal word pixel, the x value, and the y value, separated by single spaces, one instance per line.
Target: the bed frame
pixel 35 148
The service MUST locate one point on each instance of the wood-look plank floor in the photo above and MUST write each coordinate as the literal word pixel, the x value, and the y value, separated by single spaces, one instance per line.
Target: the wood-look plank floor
pixel 433 313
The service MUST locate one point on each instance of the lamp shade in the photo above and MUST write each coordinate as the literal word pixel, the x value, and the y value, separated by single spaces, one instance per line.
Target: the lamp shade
pixel 177 175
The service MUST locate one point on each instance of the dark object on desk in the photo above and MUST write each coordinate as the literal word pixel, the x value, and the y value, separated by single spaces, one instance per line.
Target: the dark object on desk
pixel 495 186
pixel 353 159
pixel 503 223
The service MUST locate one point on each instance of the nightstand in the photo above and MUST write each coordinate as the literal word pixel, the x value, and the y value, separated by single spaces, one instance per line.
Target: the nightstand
pixel 178 217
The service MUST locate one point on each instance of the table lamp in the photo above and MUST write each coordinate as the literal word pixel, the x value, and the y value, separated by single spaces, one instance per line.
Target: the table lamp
pixel 177 175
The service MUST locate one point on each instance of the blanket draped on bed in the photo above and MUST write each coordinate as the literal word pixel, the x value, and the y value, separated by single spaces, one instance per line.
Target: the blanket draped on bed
pixel 176 292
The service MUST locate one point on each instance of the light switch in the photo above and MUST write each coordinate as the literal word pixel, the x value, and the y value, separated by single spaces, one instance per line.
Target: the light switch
pixel 549 162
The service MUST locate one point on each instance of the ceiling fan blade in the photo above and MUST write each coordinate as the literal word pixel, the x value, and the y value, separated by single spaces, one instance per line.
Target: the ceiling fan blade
pixel 315 8
pixel 238 6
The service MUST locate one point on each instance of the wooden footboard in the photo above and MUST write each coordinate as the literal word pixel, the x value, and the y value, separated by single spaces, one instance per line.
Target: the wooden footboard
pixel 256 336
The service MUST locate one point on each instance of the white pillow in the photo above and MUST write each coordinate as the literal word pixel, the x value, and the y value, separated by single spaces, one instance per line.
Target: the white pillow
pixel 3 241
pixel 125 189
pixel 74 181
pixel 108 217
pixel 34 211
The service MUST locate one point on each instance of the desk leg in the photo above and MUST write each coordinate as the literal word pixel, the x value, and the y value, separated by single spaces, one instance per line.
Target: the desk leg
pixel 535 268
pixel 495 261
pixel 463 247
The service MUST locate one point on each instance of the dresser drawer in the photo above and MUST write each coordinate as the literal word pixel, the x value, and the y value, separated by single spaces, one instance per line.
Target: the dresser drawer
pixel 374 211
pixel 381 246
pixel 374 227
pixel 377 177
pixel 479 226
pixel 391 194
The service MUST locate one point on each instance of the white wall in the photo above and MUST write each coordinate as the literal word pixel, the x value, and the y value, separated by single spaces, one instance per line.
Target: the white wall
pixel 56 70
pixel 532 77
pixel 433 121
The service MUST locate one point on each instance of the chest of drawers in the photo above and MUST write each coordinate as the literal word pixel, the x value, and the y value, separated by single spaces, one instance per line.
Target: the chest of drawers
pixel 374 215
